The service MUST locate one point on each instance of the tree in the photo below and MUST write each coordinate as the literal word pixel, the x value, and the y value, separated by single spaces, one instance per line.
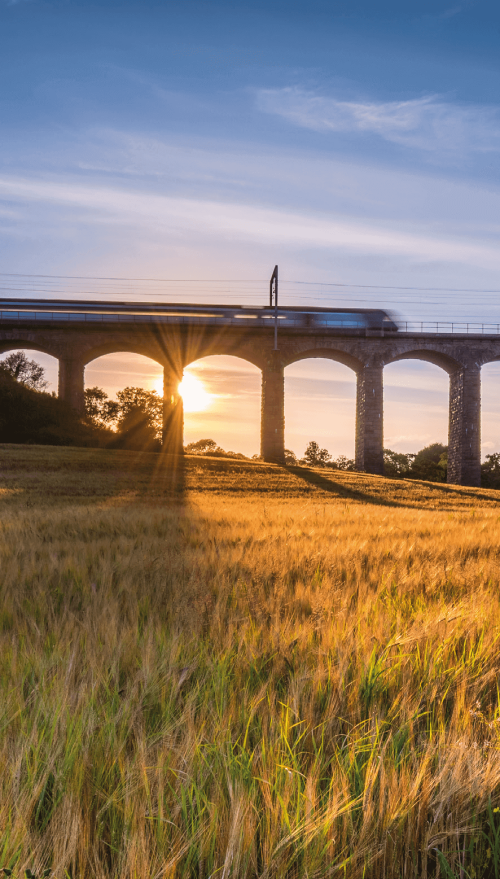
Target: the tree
pixel 138 404
pixel 397 463
pixel 314 456
pixel 26 372
pixel 140 420
pixel 290 458
pixel 490 471
pixel 100 410
pixel 430 463
pixel 201 447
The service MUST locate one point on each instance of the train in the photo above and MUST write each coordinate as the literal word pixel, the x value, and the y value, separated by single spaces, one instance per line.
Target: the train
pixel 287 317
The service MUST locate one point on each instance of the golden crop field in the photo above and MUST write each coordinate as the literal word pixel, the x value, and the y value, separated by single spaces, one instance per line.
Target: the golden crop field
pixel 239 670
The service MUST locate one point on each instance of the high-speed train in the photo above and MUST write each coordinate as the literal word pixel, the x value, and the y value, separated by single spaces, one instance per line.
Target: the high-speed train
pixel 288 317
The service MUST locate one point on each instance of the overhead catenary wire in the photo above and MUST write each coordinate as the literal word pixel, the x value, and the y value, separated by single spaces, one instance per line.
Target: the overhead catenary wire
pixel 246 281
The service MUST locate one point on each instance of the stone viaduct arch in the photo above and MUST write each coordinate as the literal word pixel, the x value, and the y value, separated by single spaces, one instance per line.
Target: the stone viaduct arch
pixel 175 345
pixel 460 358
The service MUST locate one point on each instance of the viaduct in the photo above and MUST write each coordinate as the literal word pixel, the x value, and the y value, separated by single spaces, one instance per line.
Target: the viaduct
pixel 181 335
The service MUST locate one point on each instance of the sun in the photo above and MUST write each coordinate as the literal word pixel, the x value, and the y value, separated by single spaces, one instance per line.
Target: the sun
pixel 194 396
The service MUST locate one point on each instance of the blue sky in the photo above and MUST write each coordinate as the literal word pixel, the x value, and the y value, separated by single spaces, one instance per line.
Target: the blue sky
pixel 352 143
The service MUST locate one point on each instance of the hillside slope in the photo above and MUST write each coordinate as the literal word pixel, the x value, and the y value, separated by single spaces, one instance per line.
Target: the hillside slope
pixel 57 474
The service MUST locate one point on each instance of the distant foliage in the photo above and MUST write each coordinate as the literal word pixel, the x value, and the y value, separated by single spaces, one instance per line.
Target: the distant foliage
pixel 397 463
pixel 314 456
pixel 210 449
pixel 202 447
pixel 430 463
pixel 26 372
pixel 343 463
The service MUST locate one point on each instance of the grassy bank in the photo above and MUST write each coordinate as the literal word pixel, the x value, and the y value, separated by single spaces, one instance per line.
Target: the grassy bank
pixel 242 671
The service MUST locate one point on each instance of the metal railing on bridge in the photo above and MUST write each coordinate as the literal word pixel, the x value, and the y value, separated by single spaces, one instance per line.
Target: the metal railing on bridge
pixel 447 327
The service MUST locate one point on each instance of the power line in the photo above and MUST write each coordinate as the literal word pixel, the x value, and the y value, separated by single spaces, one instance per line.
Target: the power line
pixel 248 281
pixel 162 280
pixel 386 287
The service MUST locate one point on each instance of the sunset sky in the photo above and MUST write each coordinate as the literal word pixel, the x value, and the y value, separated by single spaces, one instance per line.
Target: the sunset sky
pixel 356 144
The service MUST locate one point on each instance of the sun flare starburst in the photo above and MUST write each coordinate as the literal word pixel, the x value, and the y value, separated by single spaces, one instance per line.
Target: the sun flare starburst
pixel 194 396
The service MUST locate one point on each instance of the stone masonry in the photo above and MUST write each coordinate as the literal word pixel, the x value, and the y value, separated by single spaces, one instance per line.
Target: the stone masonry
pixel 369 455
pixel 272 435
pixel 176 346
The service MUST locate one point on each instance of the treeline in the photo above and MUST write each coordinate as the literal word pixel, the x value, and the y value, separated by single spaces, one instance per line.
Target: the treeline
pixel 430 463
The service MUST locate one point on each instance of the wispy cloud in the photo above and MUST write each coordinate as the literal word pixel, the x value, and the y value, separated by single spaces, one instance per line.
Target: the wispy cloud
pixel 226 221
pixel 428 123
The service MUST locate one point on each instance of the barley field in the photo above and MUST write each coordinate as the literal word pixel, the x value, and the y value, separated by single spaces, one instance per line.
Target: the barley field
pixel 229 669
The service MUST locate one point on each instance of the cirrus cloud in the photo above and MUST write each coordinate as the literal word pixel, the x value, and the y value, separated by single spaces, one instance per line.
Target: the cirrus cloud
pixel 428 123
pixel 225 220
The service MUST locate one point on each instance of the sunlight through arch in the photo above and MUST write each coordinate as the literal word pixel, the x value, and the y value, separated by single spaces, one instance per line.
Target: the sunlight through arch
pixel 490 409
pixel 320 405
pixel 416 405
pixel 113 372
pixel 195 397
pixel 222 398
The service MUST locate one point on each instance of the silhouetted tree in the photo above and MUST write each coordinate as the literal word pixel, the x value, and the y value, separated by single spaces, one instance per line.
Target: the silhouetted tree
pixel 99 409
pixel 133 401
pixel 314 456
pixel 140 420
pixel 27 372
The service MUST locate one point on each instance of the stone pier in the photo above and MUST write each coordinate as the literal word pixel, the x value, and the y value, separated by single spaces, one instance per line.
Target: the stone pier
pixel 369 455
pixel 173 412
pixel 272 431
pixel 464 447
pixel 71 383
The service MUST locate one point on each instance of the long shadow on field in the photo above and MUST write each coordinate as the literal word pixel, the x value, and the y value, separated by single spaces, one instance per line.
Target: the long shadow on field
pixel 455 490
pixel 167 477
pixel 341 491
